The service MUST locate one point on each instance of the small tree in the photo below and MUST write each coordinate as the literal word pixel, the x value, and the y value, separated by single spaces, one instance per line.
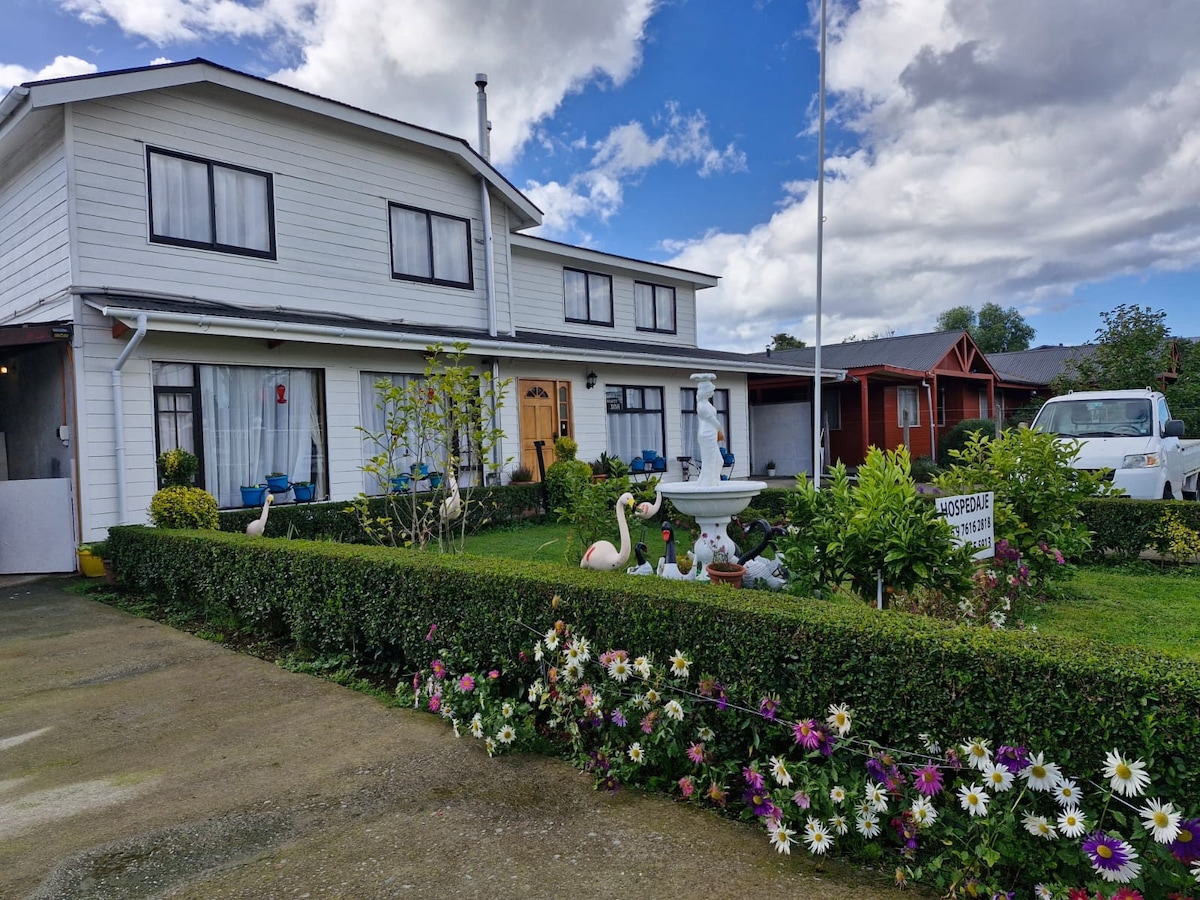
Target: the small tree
pixel 445 419
pixel 785 341
pixel 1133 350
pixel 993 328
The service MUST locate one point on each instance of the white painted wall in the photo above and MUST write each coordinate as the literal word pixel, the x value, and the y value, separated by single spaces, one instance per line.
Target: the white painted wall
pixel 332 185
pixel 782 432
pixel 34 256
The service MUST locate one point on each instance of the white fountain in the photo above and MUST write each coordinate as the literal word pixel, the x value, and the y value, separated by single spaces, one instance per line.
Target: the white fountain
pixel 710 500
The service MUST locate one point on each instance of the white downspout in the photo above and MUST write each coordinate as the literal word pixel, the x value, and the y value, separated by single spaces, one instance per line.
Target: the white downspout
pixel 489 260
pixel 119 418
pixel 498 449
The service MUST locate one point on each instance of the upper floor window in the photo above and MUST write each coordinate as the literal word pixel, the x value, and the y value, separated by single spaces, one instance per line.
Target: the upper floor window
pixel 210 206
pixel 432 247
pixel 588 296
pixel 653 307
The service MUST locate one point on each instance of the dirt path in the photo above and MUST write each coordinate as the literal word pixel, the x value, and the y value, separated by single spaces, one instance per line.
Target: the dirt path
pixel 137 761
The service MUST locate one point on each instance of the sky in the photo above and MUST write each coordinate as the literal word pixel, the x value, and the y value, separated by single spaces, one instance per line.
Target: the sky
pixel 1042 156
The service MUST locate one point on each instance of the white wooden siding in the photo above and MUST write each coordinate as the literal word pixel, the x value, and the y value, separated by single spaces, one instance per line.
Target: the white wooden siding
pixel 331 187
pixel 540 305
pixel 34 244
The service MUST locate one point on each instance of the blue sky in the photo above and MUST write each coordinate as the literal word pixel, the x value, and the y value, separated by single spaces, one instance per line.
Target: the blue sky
pixel 1042 156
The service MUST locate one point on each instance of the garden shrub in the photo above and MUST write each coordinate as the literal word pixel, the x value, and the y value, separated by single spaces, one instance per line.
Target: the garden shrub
pixel 958 435
pixel 184 507
pixel 1124 528
pixel 566 475
pixel 177 468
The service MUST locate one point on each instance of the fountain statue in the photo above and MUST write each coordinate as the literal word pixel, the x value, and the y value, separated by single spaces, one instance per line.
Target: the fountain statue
pixel 711 501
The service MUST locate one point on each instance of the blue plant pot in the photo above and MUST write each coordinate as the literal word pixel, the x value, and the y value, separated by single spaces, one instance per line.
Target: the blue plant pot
pixel 419 470
pixel 304 491
pixel 649 455
pixel 435 480
pixel 277 483
pixel 401 482
pixel 255 495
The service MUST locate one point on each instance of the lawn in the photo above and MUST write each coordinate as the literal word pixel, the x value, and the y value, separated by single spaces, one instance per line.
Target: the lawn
pixel 1137 606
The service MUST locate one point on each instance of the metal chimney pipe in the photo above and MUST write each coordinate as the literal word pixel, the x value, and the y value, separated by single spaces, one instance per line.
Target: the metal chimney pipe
pixel 485 149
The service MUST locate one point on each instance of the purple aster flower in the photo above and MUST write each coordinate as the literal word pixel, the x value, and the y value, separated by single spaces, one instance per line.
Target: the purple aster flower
pixel 754 778
pixel 435 702
pixel 825 742
pixel 801 799
pixel 439 668
pixel 618 718
pixel 1111 857
pixel 722 698
pixel 768 707
pixel 1186 846
pixel 1012 758
pixel 760 802
pixel 806 734
pixel 466 684
pixel 432 632
pixel 648 721
pixel 928 780
pixel 875 767
pixel 953 760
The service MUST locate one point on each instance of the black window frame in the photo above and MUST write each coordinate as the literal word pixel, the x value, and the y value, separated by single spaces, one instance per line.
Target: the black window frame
pixel 588 288
pixel 213 245
pixel 197 424
pixel 433 278
pixel 654 289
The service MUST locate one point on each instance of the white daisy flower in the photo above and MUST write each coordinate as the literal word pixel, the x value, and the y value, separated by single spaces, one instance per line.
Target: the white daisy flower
pixel 641 665
pixel 679 665
pixel 976 753
pixel 535 691
pixel 837 794
pixel 539 652
pixel 1039 826
pixel 706 734
pixel 673 710
pixel 490 745
pixel 1067 793
pixel 506 709
pixel 551 639
pixel 1196 872
pixel 867 824
pixel 877 797
pixel 573 670
pixel 780 772
pixel 997 778
pixel 923 812
pixel 781 837
pixel 839 718
pixel 477 725
pixel 652 696
pixel 507 734
pixel 817 836
pixel 1162 819
pixel 1128 778
pixel 636 753
pixel 1041 892
pixel 640 702
pixel 1041 775
pixel 1072 822
pixel 619 670
pixel 838 823
pixel 973 799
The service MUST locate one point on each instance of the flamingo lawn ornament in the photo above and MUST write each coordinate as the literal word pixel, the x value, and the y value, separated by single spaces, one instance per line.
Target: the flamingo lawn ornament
pixel 643 566
pixel 452 506
pixel 759 571
pixel 602 555
pixel 646 511
pixel 667 566
pixel 256 528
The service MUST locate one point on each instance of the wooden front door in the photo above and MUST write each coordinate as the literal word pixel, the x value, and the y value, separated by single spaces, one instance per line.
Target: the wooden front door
pixel 545 410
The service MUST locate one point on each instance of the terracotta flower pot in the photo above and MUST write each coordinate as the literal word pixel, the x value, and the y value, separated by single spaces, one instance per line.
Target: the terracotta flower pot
pixel 728 573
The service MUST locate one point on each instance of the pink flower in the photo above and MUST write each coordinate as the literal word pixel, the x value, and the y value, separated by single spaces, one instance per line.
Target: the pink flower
pixel 801 799
pixel 696 753
pixel 432 632
pixel 439 668
pixel 466 684
pixel 435 702
pixel 806 734
pixel 686 786
pixel 494 674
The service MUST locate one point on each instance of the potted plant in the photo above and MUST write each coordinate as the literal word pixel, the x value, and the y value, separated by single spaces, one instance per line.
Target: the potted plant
pixel 304 491
pixel 770 468
pixel 277 482
pixel 724 570
pixel 599 469
pixel 401 482
pixel 520 475
pixel 91 559
pixel 254 494
pixel 435 480
pixel 419 470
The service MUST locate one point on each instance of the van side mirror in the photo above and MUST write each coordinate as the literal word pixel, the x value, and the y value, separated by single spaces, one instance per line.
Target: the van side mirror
pixel 1173 428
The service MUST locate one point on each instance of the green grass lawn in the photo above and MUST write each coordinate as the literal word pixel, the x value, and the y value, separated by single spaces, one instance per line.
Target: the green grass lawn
pixel 1138 606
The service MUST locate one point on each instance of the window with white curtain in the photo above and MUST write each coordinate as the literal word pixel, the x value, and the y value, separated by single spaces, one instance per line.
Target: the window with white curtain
pixel 908 410
pixel 653 307
pixel 253 421
pixel 588 297
pixel 428 246
pixel 688 423
pixel 209 205
pixel 635 420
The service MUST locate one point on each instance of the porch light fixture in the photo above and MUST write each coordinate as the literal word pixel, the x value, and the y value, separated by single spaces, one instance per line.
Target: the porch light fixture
pixel 591 380
pixel 3 370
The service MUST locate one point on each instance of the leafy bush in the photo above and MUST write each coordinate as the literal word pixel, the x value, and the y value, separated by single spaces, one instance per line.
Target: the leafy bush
pixel 880 525
pixel 956 438
pixel 184 507
pixel 565 448
pixel 1037 494
pixel 924 469
pixel 1124 527
pixel 564 479
pixel 590 511
pixel 177 468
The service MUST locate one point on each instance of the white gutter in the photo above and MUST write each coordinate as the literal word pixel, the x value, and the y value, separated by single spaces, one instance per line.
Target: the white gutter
pixel 119 418
pixel 12 100
pixel 416 341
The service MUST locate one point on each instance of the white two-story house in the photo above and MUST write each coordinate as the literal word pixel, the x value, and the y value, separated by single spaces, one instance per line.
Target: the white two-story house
pixel 191 256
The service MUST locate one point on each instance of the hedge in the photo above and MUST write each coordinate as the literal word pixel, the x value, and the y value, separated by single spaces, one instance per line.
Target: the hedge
pixel 904 675
pixel 489 507
pixel 1124 528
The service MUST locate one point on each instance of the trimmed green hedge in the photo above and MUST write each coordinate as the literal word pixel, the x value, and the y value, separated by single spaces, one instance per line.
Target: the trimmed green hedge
pixel 1124 528
pixel 490 506
pixel 903 675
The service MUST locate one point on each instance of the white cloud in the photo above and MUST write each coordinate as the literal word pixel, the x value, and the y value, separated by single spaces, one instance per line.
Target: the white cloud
pixel 626 152
pixel 1009 150
pixel 62 67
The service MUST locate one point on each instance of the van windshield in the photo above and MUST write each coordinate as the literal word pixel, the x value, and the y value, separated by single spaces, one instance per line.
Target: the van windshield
pixel 1095 418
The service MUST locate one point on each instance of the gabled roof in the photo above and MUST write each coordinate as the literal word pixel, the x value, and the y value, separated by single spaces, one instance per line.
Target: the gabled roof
pixel 1038 366
pixel 917 352
pixel 35 95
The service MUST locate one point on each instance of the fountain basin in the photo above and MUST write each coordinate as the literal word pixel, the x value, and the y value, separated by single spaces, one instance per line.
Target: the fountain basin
pixel 712 506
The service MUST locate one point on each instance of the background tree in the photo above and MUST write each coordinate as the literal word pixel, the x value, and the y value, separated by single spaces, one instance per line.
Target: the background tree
pixel 1133 350
pixel 994 329
pixel 785 341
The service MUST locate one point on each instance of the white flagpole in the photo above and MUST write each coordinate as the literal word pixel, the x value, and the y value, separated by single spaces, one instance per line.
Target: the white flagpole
pixel 818 459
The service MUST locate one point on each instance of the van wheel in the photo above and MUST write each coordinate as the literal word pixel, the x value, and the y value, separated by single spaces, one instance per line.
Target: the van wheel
pixel 1167 495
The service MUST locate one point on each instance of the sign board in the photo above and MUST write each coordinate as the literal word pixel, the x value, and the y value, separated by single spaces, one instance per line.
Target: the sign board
pixel 970 516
